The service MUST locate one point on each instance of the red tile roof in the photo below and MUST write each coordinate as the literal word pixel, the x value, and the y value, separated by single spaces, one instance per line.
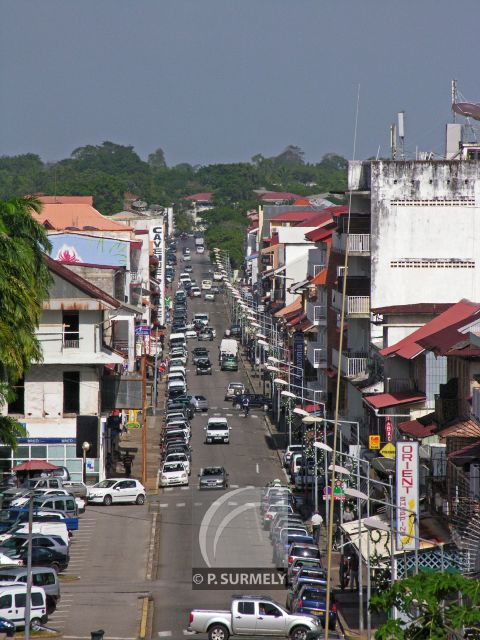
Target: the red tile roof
pixel 320 278
pixel 322 233
pixel 277 195
pixel 65 199
pixel 301 202
pixel 78 216
pixel 409 347
pixel 450 341
pixel 383 400
pixel 461 428
pixel 318 219
pixel 294 216
pixel 293 307
pixel 205 196
pixel 297 320
pixel 421 428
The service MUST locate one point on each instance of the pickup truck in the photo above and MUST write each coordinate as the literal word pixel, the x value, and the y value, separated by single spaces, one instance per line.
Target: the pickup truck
pixel 255 616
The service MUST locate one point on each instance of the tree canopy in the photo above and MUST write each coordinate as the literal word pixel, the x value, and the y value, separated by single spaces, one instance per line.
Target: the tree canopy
pixel 434 606
pixel 24 282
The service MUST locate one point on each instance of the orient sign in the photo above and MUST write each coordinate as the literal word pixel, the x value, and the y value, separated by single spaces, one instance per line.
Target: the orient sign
pixel 407 495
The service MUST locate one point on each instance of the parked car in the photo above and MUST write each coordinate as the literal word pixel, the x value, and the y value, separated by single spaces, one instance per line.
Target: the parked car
pixel 204 367
pixel 312 601
pixel 302 550
pixel 199 403
pixel 318 580
pixel 173 473
pixel 179 457
pixel 256 401
pixel 234 389
pixel 213 478
pixel 235 331
pixel 117 490
pixel 188 268
pixel 304 569
pixel 173 405
pixel 43 557
pixel 217 276
pixel 290 450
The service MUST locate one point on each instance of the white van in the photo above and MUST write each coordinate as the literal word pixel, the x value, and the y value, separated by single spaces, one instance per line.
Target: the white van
pixel 13 599
pixel 206 285
pixel 46 528
pixel 185 277
pixel 201 317
pixel 177 340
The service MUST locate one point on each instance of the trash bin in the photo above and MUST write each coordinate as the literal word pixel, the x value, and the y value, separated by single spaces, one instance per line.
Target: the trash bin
pixel 97 635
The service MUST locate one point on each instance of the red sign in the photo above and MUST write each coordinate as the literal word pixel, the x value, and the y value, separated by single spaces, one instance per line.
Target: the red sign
pixel 388 429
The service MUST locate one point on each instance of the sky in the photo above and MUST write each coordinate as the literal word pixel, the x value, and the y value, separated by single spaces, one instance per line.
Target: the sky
pixel 222 80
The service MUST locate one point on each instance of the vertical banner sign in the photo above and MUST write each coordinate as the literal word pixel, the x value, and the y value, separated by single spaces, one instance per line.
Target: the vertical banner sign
pixel 407 495
pixel 388 429
pixel 298 360
pixel 158 238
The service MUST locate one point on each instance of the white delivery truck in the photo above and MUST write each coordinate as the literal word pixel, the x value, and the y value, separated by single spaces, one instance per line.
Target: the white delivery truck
pixel 228 347
pixel 199 242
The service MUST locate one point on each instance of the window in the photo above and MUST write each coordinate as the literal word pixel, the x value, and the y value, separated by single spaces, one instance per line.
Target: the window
pixel 317 268
pixel 247 608
pixel 318 356
pixel 71 330
pixel 71 391
pixel 268 609
pixel 318 313
pixel 42 579
pixel 21 600
pixel 70 505
pixel 5 602
pixel 17 406
pixel 37 600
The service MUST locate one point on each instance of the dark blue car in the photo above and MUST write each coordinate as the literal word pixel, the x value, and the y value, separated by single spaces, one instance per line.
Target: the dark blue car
pixel 312 600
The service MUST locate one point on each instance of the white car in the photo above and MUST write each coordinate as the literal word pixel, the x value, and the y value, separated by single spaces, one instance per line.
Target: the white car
pixel 117 490
pixel 23 500
pixel 179 457
pixel 196 293
pixel 217 276
pixel 209 296
pixel 173 473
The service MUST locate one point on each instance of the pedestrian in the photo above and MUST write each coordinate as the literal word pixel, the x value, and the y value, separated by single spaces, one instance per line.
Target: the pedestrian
pixel 343 571
pixel 127 463
pixel 348 515
pixel 317 522
pixel 353 566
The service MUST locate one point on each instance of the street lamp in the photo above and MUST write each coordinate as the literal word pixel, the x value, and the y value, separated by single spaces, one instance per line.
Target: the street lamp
pixel 262 336
pixel 85 448
pixel 264 343
pixel 300 412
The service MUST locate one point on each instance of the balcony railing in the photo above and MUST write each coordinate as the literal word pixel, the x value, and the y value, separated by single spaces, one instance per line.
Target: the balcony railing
pixel 358 243
pixel 353 364
pixel 317 312
pixel 71 340
pixel 355 306
pixel 317 354
pixel 120 345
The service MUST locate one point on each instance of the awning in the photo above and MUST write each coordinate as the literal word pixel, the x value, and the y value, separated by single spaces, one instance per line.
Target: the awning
pixel 313 408
pixel 463 428
pixel 307 326
pixel 251 257
pixel 298 320
pixel 270 249
pixel 35 465
pixel 298 286
pixel 384 400
pixel 273 272
pixel 293 306
pixel 420 428
pixel 320 278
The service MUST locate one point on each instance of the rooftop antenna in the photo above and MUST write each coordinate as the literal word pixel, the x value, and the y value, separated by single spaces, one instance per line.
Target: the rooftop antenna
pixel 401 133
pixel 393 141
pixel 454 98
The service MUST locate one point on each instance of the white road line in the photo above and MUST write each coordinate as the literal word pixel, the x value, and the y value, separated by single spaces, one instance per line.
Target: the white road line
pixel 169 489
pixel 180 504
pixel 197 504
pixel 232 504
pixel 186 632
pixel 213 408
pixel 254 416
pixel 164 634
pixel 163 505
pixel 88 638
pixel 234 486
pixel 223 408
pixel 257 468
pixel 229 415
pixel 185 488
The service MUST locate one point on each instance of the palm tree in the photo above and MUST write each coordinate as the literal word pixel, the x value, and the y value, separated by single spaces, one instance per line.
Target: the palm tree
pixel 24 282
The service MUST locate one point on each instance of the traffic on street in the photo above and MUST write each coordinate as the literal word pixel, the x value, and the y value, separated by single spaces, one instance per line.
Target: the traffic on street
pixel 228 517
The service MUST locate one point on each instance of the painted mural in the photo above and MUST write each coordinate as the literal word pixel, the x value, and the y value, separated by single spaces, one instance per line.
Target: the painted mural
pixel 79 248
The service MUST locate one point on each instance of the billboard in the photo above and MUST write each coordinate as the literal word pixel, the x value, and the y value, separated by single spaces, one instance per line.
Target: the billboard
pixel 407 501
pixel 158 239
pixel 73 248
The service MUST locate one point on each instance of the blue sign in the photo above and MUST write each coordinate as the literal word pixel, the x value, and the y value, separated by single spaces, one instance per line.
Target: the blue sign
pixel 46 440
pixel 142 330
pixel 75 248
pixel 298 360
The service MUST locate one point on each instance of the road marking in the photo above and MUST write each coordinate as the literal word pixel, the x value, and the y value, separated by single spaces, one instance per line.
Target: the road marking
pixel 164 634
pixel 169 489
pixel 257 468
pixel 163 505
pixel 214 408
pixel 180 504
pixel 229 415
pixel 186 632
pixel 88 638
pixel 234 486
pixel 254 416
pixel 197 504
pixel 223 408
pixel 232 504
pixel 185 488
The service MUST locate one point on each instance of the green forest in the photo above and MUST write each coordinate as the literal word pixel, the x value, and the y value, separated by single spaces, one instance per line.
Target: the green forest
pixel 107 171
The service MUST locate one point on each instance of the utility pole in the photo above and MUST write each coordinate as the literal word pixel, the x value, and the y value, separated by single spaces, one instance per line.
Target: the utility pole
pixel 29 569
pixel 144 417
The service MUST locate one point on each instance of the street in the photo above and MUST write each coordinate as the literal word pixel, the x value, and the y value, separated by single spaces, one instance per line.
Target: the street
pixel 250 462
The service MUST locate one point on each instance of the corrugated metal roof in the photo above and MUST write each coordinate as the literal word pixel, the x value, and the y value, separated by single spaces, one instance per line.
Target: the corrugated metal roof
pixel 383 400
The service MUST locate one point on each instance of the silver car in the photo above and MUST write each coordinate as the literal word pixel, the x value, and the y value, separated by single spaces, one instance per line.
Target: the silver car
pixel 213 478
pixel 199 403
